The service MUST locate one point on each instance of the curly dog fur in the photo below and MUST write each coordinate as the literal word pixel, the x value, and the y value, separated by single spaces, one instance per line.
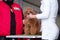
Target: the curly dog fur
pixel 31 26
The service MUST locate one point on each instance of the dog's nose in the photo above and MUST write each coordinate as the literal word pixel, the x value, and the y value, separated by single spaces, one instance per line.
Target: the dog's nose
pixel 28 13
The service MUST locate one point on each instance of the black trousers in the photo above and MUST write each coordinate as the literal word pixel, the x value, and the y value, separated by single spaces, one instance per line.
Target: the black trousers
pixel 4 38
pixel 35 39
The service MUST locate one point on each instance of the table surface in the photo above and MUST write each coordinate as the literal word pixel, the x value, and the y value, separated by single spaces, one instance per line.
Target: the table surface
pixel 24 36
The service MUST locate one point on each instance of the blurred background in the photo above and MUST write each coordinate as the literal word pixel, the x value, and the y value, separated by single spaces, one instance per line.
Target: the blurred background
pixel 19 2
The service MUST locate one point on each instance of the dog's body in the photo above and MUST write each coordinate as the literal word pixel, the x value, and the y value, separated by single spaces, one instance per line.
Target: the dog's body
pixel 32 26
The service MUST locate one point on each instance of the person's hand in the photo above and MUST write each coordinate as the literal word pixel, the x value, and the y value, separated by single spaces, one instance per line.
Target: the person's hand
pixel 30 16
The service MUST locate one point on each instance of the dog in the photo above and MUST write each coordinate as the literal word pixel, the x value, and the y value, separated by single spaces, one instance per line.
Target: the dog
pixel 31 26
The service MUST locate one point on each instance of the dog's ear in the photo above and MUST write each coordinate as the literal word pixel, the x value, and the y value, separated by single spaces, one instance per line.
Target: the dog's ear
pixel 32 12
pixel 25 15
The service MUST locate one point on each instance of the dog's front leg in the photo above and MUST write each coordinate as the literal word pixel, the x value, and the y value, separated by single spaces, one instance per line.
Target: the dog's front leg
pixel 33 30
pixel 26 30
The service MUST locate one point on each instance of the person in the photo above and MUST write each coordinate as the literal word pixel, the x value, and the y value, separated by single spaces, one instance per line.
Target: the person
pixel 48 16
pixel 10 19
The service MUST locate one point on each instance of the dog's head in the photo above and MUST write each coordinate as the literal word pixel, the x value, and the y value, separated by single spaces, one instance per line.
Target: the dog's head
pixel 28 11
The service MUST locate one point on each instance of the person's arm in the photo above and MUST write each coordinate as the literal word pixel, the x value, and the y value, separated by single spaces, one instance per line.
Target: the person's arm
pixel 45 10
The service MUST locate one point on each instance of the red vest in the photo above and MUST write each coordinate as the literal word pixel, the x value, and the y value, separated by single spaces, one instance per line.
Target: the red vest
pixel 5 19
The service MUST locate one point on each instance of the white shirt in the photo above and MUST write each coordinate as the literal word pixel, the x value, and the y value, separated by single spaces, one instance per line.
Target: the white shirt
pixel 49 10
